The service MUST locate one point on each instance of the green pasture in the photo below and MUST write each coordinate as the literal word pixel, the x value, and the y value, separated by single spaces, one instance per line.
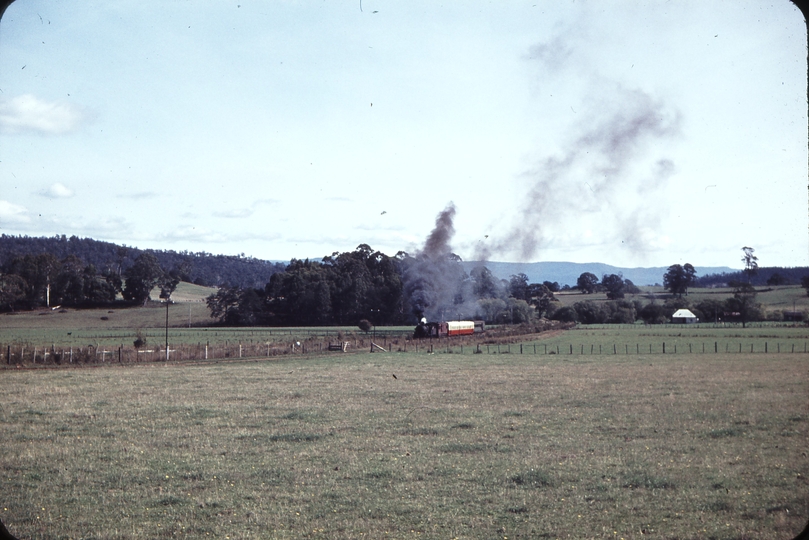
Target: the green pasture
pixel 406 445
pixel 674 339
pixel 190 343
pixel 785 297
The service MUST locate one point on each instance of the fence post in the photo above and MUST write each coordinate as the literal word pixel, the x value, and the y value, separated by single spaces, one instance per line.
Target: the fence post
pixel 664 347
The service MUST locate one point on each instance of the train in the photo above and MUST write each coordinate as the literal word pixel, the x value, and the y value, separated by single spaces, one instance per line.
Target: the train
pixel 447 328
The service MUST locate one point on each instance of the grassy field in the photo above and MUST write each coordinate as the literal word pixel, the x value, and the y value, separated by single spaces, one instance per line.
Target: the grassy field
pixel 407 445
pixel 785 297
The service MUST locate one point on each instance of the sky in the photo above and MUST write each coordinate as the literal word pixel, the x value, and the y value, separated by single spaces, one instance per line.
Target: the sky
pixel 630 133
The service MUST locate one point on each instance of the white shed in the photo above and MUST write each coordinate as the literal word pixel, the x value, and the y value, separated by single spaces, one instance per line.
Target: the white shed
pixel 684 316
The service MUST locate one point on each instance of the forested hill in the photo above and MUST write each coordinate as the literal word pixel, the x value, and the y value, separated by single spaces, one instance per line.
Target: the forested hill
pixel 202 268
pixel 770 275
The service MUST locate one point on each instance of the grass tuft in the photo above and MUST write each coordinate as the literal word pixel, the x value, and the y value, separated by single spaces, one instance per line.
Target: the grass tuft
pixel 533 478
pixel 725 432
pixel 295 437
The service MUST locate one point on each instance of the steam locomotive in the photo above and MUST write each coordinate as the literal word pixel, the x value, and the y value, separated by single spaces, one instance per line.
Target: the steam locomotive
pixel 447 328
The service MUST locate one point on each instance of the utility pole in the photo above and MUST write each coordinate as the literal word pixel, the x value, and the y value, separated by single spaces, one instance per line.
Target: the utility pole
pixel 167 328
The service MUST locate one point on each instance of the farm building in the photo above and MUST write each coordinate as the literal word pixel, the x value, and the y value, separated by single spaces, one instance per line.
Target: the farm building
pixel 684 316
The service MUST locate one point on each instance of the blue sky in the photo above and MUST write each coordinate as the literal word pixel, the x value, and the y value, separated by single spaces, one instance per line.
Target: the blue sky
pixel 626 132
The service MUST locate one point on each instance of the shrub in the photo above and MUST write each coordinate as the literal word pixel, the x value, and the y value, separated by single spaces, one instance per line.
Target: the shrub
pixel 653 314
pixel 565 314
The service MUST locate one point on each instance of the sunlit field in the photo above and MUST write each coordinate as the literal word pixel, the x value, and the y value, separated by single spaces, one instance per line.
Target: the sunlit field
pixel 407 445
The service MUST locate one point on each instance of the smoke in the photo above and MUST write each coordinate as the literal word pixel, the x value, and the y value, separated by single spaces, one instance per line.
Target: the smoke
pixel 435 284
pixel 605 180
pixel 437 244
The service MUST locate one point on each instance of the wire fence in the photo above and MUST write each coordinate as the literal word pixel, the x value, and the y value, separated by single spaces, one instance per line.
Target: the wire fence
pixel 27 354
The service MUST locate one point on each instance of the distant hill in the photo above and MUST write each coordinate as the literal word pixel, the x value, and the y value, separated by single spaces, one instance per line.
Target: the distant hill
pixel 566 273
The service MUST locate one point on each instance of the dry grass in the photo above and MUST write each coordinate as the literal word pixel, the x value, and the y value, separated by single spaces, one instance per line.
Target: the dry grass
pixel 466 446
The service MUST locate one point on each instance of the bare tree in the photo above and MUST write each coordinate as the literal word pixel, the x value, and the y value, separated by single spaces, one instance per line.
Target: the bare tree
pixel 750 262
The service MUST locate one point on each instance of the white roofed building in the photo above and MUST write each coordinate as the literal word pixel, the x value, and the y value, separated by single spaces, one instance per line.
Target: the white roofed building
pixel 684 316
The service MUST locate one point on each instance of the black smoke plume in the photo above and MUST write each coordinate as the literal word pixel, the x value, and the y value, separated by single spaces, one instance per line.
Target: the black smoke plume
pixel 435 284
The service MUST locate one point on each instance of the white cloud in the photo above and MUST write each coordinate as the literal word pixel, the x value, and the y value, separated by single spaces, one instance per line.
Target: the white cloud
pixel 202 235
pixel 58 191
pixel 235 214
pixel 29 114
pixel 13 213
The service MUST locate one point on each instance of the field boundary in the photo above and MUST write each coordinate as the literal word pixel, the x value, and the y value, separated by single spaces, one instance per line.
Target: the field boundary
pixel 18 354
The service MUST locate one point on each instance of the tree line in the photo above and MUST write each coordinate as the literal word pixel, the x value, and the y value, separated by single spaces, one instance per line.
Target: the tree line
pixel 30 281
pixel 345 288
pixel 367 285
pixel 200 268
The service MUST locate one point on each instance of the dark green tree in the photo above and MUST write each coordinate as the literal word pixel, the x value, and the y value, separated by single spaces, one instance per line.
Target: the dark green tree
pixel 541 297
pixel 552 286
pixel 588 312
pixel 653 314
pixel 518 286
pixel 141 278
pixel 678 278
pixel 744 302
pixel 630 288
pixel 565 314
pixel 614 285
pixel 587 283
pixel 805 284
pixel 620 312
pixel 365 325
pixel 12 290
pixel 69 283
pixel 711 309
pixel 39 273
pixel 168 283
pixel 224 304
